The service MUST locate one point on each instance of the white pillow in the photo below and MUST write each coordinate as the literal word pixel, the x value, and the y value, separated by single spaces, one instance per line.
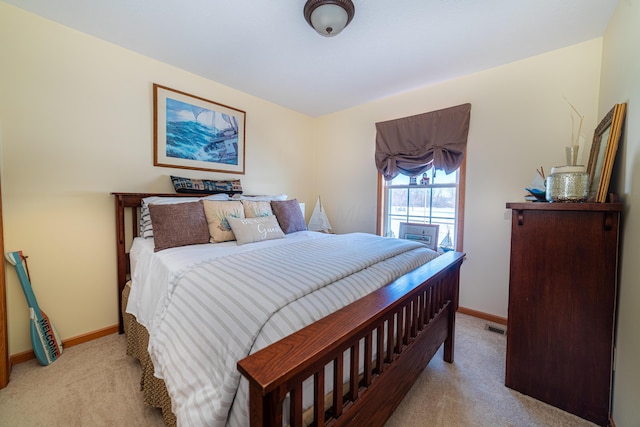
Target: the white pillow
pixel 259 198
pixel 146 228
pixel 250 230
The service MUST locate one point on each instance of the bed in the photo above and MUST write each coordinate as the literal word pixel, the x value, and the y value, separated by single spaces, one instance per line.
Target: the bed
pixel 349 362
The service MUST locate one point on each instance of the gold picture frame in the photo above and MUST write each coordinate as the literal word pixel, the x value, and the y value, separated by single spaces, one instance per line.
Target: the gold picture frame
pixel 195 133
pixel 603 153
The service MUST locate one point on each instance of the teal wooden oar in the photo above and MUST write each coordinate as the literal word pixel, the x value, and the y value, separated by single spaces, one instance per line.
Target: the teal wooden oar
pixel 47 345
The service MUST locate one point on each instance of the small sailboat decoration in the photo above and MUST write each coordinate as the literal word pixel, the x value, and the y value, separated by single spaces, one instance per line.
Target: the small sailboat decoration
pixel 446 244
pixel 319 220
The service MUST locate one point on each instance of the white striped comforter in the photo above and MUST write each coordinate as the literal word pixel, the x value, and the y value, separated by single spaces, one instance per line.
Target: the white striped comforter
pixel 221 310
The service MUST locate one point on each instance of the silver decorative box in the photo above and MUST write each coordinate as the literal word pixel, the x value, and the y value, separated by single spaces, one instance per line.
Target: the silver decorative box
pixel 567 184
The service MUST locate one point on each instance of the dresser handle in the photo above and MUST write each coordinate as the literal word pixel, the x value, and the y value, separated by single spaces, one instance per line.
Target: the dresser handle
pixel 520 217
pixel 608 221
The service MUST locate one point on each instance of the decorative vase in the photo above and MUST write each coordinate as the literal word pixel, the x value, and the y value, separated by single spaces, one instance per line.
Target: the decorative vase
pixel 567 184
pixel 571 153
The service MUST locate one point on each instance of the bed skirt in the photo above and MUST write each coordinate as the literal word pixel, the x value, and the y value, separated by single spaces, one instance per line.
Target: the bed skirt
pixel 153 389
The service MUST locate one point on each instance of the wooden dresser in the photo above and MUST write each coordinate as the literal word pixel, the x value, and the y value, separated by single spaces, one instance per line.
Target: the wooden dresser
pixel 562 303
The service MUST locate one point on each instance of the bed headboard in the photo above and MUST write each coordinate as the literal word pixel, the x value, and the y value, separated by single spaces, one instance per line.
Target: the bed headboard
pixel 127 227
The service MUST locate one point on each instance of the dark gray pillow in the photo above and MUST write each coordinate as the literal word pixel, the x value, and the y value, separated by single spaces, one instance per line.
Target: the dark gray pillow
pixel 289 215
pixel 179 224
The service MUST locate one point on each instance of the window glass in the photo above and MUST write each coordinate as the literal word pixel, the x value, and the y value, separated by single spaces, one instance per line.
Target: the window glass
pixel 427 199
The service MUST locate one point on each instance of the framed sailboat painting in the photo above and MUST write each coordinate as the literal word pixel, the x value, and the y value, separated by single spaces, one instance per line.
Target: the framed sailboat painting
pixel 195 133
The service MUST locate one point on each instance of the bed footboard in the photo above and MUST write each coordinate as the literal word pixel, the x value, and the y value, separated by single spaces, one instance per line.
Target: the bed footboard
pixel 407 321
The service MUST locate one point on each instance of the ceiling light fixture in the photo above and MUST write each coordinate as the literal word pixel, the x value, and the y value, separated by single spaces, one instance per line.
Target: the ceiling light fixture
pixel 329 17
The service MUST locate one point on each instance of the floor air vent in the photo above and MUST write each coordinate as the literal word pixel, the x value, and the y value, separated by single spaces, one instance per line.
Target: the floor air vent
pixel 497 329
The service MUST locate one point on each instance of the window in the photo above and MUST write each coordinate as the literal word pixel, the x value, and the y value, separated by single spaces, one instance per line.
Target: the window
pixel 434 198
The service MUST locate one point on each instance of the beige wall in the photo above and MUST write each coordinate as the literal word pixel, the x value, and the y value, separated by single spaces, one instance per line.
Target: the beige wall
pixel 73 104
pixel 621 83
pixel 76 124
pixel 519 122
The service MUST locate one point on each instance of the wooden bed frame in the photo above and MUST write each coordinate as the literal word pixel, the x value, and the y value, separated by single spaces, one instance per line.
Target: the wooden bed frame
pixel 413 316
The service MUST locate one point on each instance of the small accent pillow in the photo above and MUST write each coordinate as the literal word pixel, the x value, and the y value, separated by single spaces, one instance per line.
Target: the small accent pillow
pixel 254 209
pixel 289 215
pixel 250 230
pixel 217 214
pixel 178 224
pixel 146 228
pixel 190 185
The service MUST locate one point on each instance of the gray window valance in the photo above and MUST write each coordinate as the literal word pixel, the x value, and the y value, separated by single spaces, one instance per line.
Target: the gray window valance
pixel 412 145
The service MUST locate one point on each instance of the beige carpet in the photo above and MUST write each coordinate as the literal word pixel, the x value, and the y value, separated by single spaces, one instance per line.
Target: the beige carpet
pixel 96 384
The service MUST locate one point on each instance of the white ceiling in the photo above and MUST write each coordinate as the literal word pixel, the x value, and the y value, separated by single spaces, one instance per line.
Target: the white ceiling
pixel 266 48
